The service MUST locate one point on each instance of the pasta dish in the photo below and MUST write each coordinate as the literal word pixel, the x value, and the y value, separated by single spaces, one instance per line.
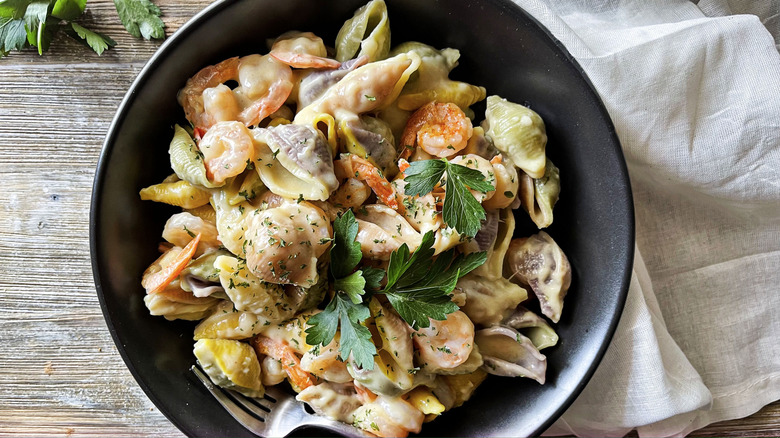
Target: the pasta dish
pixel 346 225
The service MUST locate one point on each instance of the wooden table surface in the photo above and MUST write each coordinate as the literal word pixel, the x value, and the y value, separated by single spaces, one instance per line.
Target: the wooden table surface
pixel 60 373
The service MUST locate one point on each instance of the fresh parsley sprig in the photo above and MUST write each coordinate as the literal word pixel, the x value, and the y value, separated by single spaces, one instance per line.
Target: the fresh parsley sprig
pixel 461 210
pixel 419 288
pixel 35 23
pixel 347 309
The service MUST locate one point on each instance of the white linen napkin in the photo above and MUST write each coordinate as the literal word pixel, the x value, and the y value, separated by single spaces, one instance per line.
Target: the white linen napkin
pixel 695 97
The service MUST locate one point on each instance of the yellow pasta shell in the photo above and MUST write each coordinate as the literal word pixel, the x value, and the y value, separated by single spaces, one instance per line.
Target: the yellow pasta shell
pixel 180 193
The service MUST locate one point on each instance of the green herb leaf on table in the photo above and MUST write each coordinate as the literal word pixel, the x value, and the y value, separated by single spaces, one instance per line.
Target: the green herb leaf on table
pixel 461 210
pixel 141 18
pixel 68 9
pixel 35 17
pixel 13 36
pixel 98 42
pixel 34 23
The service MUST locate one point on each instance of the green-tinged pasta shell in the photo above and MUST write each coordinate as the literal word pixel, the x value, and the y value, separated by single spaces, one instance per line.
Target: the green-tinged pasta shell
pixel 244 187
pixel 366 33
pixel 180 193
pixel 231 365
pixel 203 267
pixel 431 83
pixel 205 212
pixel 518 132
pixel 489 301
pixel 186 159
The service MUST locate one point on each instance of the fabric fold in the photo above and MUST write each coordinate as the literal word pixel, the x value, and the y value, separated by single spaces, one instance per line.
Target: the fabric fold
pixel 695 98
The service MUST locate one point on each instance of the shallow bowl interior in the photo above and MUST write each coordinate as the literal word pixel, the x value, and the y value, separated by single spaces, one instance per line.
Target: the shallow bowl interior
pixel 503 49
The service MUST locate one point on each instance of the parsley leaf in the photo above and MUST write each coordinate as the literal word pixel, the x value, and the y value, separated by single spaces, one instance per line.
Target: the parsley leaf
pixel 323 326
pixel 422 176
pixel 98 42
pixel 461 210
pixel 141 18
pixel 373 278
pixel 355 338
pixel 12 34
pixel 345 253
pixel 25 23
pixel 353 285
pixel 346 310
pixel 419 288
pixel 35 23
pixel 417 307
pixel 68 9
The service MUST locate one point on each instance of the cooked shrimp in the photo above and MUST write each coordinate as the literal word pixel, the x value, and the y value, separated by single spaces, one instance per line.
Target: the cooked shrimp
pixel 351 165
pixel 351 193
pixel 302 50
pixel 166 268
pixel 439 129
pixel 507 183
pixel 445 344
pixel 325 363
pixel 227 148
pixel 191 96
pixel 264 85
pixel 181 228
pixel 287 357
pixel 219 104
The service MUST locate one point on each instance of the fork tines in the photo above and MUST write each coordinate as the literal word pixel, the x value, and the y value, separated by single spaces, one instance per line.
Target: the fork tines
pixel 250 412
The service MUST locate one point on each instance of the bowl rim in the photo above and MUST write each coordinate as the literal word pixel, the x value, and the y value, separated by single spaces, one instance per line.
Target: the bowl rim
pixel 510 7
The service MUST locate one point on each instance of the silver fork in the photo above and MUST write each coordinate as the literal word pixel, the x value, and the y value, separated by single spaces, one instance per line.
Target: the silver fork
pixel 275 415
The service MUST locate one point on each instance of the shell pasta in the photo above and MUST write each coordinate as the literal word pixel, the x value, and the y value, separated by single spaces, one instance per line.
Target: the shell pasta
pixel 347 227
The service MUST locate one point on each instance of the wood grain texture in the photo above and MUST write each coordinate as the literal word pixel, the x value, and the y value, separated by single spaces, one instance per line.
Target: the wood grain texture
pixel 60 373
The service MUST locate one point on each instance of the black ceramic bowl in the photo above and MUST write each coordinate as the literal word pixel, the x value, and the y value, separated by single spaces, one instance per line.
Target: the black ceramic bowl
pixel 503 49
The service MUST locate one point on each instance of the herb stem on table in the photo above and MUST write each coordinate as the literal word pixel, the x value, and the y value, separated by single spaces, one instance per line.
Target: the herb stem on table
pixel 35 23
